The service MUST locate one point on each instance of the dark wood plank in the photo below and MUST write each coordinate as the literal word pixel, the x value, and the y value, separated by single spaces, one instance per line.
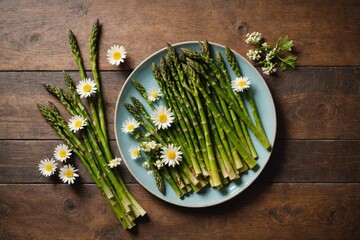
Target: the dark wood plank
pixel 313 161
pixel 291 161
pixel 281 211
pixel 33 34
pixel 311 103
pixel 317 103
pixel 22 167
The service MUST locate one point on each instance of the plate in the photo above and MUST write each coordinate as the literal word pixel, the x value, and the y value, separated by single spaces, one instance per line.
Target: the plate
pixel 208 196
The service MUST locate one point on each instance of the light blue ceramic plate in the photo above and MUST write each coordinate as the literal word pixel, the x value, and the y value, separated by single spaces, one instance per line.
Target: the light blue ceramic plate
pixel 208 196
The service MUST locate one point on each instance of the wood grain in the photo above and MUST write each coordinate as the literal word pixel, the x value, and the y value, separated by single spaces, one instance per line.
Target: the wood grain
pixel 33 34
pixel 310 189
pixel 311 103
pixel 291 161
pixel 265 211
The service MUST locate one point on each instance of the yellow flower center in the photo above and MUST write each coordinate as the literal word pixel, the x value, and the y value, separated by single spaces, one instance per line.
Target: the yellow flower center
pixel 154 94
pixel 163 117
pixel 117 55
pixel 87 88
pixel 78 123
pixel 241 83
pixel 171 154
pixel 136 152
pixel 62 154
pixel 131 127
pixel 48 167
pixel 69 173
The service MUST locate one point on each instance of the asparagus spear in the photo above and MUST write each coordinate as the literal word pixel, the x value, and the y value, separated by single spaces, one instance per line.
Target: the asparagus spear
pixel 228 99
pixel 182 117
pixel 235 67
pixel 78 59
pixel 250 161
pixel 240 127
pixel 142 92
pixel 187 102
pixel 215 179
pixel 123 211
pixel 94 40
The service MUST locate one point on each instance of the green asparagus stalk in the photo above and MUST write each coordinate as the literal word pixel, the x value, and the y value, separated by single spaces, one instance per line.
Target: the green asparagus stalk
pixel 240 127
pixel 229 116
pixel 94 40
pixel 81 109
pixel 228 99
pixel 55 119
pixel 92 146
pixel 176 176
pixel 182 118
pixel 97 151
pixel 221 141
pixel 142 92
pixel 179 137
pixel 215 179
pixel 141 109
pixel 250 161
pixel 187 102
pixel 78 59
pixel 157 175
pixel 235 67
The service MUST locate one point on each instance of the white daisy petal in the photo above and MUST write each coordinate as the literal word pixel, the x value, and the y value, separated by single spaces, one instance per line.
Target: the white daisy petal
pixel 162 117
pixel 77 123
pixel 115 162
pixel 68 174
pixel 47 167
pixel 86 88
pixel 154 94
pixel 135 152
pixel 116 55
pixel 129 125
pixel 62 152
pixel 171 155
pixel 240 84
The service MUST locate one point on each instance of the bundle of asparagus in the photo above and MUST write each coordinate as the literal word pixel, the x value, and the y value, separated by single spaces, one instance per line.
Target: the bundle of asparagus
pixel 211 121
pixel 91 146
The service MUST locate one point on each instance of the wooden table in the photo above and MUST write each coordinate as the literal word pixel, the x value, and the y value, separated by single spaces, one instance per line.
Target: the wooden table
pixel 310 188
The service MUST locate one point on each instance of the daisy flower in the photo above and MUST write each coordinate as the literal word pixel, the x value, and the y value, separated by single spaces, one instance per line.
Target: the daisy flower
pixel 171 155
pixel 129 125
pixel 240 83
pixel 114 163
pixel 62 152
pixel 86 88
pixel 47 167
pixel 162 117
pixel 154 94
pixel 68 174
pixel 116 55
pixel 76 123
pixel 134 152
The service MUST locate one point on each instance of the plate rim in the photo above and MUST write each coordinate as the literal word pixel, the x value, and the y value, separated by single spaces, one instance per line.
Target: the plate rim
pixel 227 198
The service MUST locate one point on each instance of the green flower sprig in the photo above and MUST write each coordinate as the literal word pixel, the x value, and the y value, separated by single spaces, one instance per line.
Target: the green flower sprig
pixel 269 57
